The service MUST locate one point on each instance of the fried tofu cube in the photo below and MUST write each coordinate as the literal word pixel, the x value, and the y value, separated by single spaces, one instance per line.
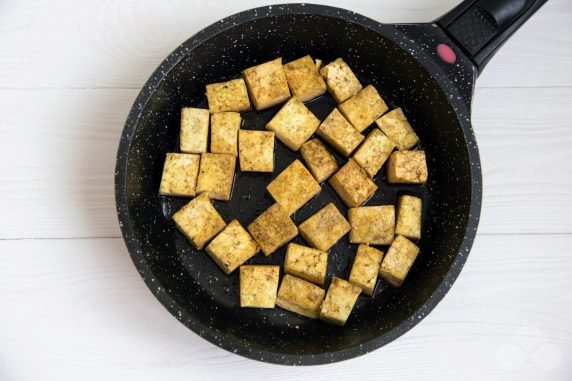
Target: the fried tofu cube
pixel 228 96
pixel 320 162
pixel 199 221
pixel 194 130
pixel 272 229
pixel 394 124
pixel 216 175
pixel 306 263
pixel 180 173
pixel 303 78
pixel 256 150
pixel 409 217
pixel 293 187
pixel 267 84
pixel 365 268
pixel 407 167
pixel 364 108
pixel 339 133
pixel 318 62
pixel 258 285
pixel 398 261
pixel 232 247
pixel 340 80
pixel 374 151
pixel 324 228
pixel 339 301
pixel 372 224
pixel 224 132
pixel 293 124
pixel 352 184
pixel 300 296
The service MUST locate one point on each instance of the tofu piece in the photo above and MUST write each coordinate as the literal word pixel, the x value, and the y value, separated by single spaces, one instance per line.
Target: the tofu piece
pixel 293 187
pixel 293 124
pixel 407 167
pixel 364 108
pixel 374 151
pixel 319 161
pixel 258 285
pixel 324 228
pixel 199 221
pixel 340 80
pixel 300 296
pixel 409 217
pixel 394 124
pixel 398 261
pixel 228 96
pixel 339 133
pixel 372 224
pixel 352 184
pixel 180 173
pixel 365 268
pixel 256 151
pixel 272 229
pixel 216 175
pixel 194 130
pixel 267 84
pixel 339 301
pixel 232 247
pixel 303 79
pixel 224 132
pixel 318 62
pixel 306 263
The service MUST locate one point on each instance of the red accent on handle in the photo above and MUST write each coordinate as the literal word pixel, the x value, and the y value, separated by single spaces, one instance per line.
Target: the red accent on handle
pixel 446 53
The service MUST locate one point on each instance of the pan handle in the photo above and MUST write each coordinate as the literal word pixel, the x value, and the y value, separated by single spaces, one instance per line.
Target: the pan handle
pixel 481 27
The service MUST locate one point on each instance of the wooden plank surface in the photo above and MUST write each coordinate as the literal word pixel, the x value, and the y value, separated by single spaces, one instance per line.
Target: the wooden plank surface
pixel 77 309
pixel 118 44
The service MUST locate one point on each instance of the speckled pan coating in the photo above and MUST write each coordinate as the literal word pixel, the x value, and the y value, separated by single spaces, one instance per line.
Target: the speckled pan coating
pixel 401 61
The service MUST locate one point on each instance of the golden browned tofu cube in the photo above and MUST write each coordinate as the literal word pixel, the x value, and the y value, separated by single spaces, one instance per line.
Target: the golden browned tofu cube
pixel 180 174
pixel 339 133
pixel 232 247
pixel 267 84
pixel 340 79
pixel 325 228
pixel 300 296
pixel 409 217
pixel 293 124
pixel 374 152
pixel 352 184
pixel 365 268
pixel 407 167
pixel 339 301
pixel 194 130
pixel 199 221
pixel 256 151
pixel 372 224
pixel 224 132
pixel 228 96
pixel 398 260
pixel 303 78
pixel 318 63
pixel 394 124
pixel 306 263
pixel 293 187
pixel 258 285
pixel 272 229
pixel 319 161
pixel 216 175
pixel 364 108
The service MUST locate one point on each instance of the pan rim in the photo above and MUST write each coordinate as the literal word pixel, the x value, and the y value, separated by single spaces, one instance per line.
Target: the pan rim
pixel 210 333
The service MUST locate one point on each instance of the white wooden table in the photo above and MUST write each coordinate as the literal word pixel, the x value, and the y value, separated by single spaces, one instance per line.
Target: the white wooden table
pixel 72 306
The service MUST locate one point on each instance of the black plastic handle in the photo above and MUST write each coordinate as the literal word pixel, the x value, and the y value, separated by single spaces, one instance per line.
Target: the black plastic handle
pixel 481 27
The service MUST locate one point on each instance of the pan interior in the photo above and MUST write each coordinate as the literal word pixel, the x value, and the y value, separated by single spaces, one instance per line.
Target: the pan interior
pixel 200 289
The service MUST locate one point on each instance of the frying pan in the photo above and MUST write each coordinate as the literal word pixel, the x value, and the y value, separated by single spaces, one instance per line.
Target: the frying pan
pixel 427 69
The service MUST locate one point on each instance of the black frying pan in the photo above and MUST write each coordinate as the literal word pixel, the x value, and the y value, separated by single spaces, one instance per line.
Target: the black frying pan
pixel 412 67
